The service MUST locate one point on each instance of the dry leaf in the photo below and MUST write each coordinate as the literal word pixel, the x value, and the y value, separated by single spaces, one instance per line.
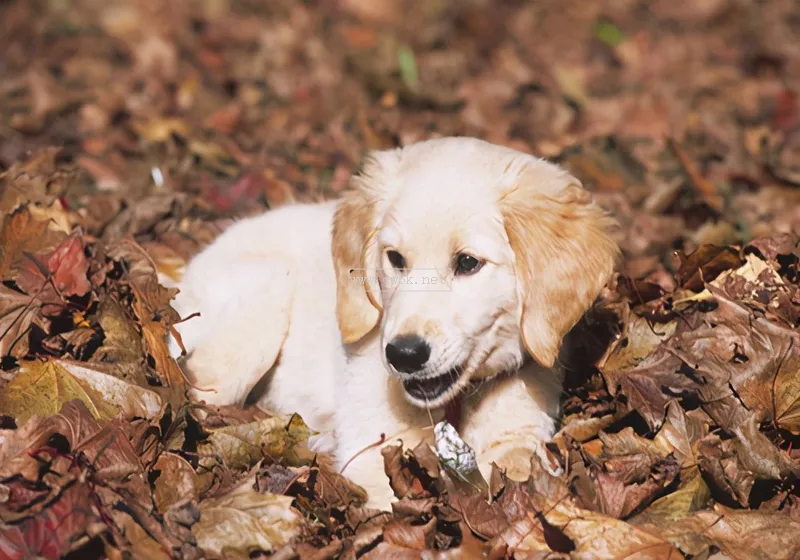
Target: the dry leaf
pixel 22 233
pixel 177 481
pixel 242 446
pixel 244 522
pixel 44 387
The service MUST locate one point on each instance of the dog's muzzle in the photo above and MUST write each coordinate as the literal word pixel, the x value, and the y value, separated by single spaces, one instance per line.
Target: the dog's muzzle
pixel 431 388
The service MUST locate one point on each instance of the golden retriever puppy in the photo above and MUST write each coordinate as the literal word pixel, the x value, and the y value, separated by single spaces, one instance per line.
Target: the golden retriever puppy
pixel 448 275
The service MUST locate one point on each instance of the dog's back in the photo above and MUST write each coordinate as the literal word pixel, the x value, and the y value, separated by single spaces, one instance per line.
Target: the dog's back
pixel 283 260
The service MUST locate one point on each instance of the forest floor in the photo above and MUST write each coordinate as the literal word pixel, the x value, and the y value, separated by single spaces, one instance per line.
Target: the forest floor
pixel 133 132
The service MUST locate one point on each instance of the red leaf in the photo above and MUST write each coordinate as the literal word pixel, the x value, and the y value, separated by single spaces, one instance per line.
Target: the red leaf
pixel 67 267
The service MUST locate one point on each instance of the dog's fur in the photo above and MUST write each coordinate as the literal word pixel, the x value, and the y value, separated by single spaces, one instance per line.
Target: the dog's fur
pixel 279 293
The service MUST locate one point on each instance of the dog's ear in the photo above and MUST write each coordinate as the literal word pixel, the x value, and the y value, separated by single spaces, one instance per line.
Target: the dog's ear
pixel 354 248
pixel 564 254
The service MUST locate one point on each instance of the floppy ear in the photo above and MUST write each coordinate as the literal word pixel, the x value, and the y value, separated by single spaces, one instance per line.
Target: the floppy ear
pixel 354 249
pixel 564 256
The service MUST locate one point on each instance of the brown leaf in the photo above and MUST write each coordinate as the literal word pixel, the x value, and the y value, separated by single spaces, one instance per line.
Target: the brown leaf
pixel 642 385
pixel 334 490
pixel 769 247
pixel 758 358
pixel 391 551
pixel 400 479
pixel 121 340
pixel 630 472
pixel 22 233
pixel 705 264
pixel 601 537
pixel 108 447
pixel 741 535
pixel 417 537
pixel 17 313
pixel 410 475
pixel 681 432
pixel 244 522
pixel 691 495
pixel 177 481
pixel 51 533
pixel 705 188
pixel 153 311
pixel 66 268
pixel 29 180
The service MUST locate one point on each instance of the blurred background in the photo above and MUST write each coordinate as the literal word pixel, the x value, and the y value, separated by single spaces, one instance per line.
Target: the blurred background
pixel 681 115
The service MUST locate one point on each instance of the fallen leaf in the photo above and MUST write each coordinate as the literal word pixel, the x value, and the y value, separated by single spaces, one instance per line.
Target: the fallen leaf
pixel 133 401
pixel 630 472
pixel 44 387
pixel 21 233
pixel 242 446
pixel 177 481
pixel 681 432
pixel 52 532
pixel 691 495
pixel 416 537
pixel 17 313
pixel 66 269
pixel 244 522
pixel 705 264
pixel 741 535
pixel 705 188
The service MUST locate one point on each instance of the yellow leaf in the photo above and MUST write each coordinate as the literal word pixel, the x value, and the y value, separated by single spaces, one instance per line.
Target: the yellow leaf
pixel 160 130
pixel 244 445
pixel 44 387
pixel 54 215
pixel 690 496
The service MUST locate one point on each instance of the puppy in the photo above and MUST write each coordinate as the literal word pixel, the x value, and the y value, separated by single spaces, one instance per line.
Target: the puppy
pixel 449 273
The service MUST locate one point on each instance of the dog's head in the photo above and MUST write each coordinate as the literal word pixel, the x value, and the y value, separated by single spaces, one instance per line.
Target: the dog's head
pixel 467 255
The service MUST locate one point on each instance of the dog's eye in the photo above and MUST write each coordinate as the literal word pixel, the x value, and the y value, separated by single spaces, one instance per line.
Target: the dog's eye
pixel 397 260
pixel 467 264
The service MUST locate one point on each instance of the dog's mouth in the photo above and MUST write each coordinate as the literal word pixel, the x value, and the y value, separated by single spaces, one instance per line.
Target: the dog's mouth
pixel 431 388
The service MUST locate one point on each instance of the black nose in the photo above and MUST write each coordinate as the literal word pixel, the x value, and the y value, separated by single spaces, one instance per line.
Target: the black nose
pixel 408 353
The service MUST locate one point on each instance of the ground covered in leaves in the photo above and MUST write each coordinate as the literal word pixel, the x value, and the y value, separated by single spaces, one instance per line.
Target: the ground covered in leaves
pixel 133 132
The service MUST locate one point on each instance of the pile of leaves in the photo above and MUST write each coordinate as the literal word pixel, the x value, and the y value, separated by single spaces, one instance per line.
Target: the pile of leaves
pixel 133 132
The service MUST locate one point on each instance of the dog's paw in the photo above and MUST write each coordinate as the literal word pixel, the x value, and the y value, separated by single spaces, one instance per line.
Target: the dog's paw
pixel 213 378
pixel 516 461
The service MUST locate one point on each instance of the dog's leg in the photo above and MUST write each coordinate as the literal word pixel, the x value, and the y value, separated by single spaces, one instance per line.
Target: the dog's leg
pixel 245 306
pixel 372 413
pixel 511 419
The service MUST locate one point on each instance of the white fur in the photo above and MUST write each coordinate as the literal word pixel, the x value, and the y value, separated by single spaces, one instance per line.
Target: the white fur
pixel 267 288
pixel 265 285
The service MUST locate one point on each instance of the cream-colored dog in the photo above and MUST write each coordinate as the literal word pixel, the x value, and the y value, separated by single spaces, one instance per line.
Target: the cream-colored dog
pixel 450 272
